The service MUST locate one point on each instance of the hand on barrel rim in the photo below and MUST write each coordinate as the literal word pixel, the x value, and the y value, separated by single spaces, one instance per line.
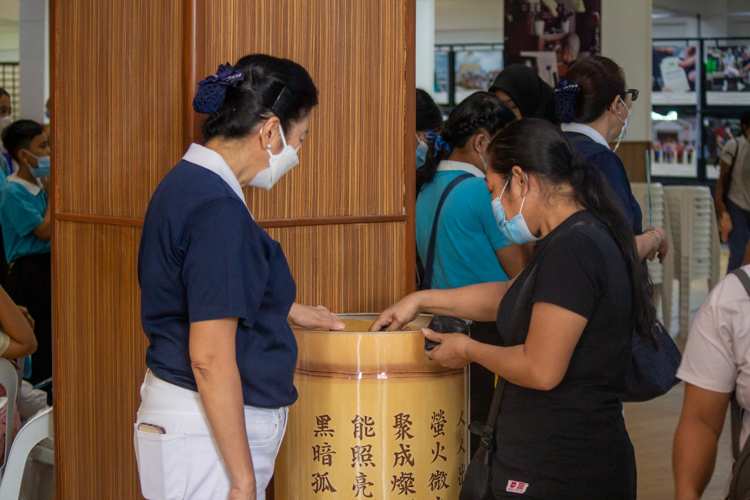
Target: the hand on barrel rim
pixel 315 317
pixel 399 314
pixel 452 351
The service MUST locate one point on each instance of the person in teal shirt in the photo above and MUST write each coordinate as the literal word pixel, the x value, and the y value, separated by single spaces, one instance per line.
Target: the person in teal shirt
pixel 26 230
pixel 469 249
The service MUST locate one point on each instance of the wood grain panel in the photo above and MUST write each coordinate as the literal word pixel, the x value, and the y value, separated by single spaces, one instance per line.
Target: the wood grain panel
pixel 633 156
pixel 355 50
pixel 119 69
pixel 347 268
pixel 99 351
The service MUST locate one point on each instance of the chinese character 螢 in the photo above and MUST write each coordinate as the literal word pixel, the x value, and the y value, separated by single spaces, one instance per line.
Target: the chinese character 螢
pixel 323 454
pixel 437 452
pixel 361 484
pixel 404 456
pixel 404 483
pixel 438 480
pixel 362 455
pixel 323 429
pixel 403 426
pixel 363 427
pixel 438 423
pixel 321 483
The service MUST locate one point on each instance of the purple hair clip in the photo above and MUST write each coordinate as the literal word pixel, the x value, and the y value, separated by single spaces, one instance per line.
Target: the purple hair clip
pixel 211 91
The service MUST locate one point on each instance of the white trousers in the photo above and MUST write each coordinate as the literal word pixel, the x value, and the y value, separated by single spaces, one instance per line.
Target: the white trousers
pixel 185 462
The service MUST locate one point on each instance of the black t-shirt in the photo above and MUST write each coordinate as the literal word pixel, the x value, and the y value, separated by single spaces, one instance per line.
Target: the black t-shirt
pixel 571 442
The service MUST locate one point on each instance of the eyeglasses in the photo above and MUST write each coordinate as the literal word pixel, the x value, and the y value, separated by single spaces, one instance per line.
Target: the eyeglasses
pixel 634 93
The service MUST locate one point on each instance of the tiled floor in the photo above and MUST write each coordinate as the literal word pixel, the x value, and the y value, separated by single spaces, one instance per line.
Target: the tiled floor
pixel 652 426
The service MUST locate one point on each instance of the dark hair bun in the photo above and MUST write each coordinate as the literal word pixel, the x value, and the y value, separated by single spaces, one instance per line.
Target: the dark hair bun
pixel 268 87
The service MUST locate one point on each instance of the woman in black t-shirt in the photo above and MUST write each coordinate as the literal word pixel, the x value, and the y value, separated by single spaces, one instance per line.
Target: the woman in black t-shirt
pixel 560 433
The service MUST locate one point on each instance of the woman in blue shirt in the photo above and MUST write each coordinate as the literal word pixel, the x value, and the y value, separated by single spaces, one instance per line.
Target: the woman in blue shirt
pixel 217 293
pixel 594 107
pixel 469 248
pixel 26 227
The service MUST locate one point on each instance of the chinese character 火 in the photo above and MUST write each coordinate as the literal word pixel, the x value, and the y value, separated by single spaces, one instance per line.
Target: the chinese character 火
pixel 323 429
pixel 403 456
pixel 321 483
pixel 361 484
pixel 323 454
pixel 362 455
pixel 438 423
pixel 402 426
pixel 438 480
pixel 404 483
pixel 363 427
pixel 436 452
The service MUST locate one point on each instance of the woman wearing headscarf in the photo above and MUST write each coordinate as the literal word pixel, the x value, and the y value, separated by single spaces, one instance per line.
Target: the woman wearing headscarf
pixel 528 95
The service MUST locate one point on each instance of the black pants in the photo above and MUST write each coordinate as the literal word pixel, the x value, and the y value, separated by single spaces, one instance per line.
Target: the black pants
pixel 482 380
pixel 30 285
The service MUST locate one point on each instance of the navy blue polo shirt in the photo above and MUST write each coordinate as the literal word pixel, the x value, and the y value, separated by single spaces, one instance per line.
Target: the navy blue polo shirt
pixel 611 167
pixel 203 257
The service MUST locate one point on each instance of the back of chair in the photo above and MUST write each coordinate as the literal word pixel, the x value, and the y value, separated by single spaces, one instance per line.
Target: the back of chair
pixel 9 380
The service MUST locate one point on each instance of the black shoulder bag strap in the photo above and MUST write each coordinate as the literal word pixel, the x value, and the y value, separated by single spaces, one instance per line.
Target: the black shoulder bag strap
pixel 429 263
pixel 740 457
pixel 736 408
pixel 516 326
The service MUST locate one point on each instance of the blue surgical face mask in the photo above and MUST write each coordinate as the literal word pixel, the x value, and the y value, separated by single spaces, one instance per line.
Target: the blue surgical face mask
pixel 515 229
pixel 421 153
pixel 42 166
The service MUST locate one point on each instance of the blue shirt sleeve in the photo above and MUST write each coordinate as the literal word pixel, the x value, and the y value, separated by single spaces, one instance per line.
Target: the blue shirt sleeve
pixel 613 170
pixel 481 206
pixel 225 270
pixel 20 210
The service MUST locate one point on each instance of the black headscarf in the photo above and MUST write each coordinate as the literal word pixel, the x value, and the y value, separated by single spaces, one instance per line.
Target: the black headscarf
pixel 532 95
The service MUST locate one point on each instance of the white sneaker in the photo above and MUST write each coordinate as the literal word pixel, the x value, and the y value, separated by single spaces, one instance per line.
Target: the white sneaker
pixel 740 86
pixel 725 87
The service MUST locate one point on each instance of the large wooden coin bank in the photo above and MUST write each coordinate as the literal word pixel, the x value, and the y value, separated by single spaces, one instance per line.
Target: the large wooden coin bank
pixel 375 418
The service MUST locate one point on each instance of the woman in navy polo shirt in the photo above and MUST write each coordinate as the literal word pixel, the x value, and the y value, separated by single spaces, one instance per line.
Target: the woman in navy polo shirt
pixel 594 107
pixel 217 293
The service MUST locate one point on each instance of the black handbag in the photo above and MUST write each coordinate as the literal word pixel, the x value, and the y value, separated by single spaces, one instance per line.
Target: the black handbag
pixel 652 372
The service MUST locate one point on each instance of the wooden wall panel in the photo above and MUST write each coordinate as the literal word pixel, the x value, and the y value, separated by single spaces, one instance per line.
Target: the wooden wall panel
pixel 347 268
pixel 99 352
pixel 633 156
pixel 353 162
pixel 118 121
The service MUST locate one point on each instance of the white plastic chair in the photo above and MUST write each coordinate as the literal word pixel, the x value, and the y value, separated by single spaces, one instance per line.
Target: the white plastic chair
pixel 36 430
pixel 10 381
pixel 696 242
pixel 662 275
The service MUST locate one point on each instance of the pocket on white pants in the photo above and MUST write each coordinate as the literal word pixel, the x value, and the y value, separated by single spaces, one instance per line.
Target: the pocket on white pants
pixel 161 465
pixel 262 426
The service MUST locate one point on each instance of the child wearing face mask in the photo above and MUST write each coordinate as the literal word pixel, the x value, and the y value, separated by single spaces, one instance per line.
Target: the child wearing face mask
pixel 26 230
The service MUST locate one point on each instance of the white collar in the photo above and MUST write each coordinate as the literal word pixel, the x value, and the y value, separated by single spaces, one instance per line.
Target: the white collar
pixel 582 128
pixel 213 161
pixel 450 165
pixel 31 187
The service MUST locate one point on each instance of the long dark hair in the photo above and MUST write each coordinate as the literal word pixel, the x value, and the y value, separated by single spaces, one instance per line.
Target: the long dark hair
pixel 600 81
pixel 541 149
pixel 271 86
pixel 480 111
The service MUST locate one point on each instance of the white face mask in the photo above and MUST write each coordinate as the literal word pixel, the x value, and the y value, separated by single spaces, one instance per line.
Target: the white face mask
pixel 4 122
pixel 625 124
pixel 278 165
